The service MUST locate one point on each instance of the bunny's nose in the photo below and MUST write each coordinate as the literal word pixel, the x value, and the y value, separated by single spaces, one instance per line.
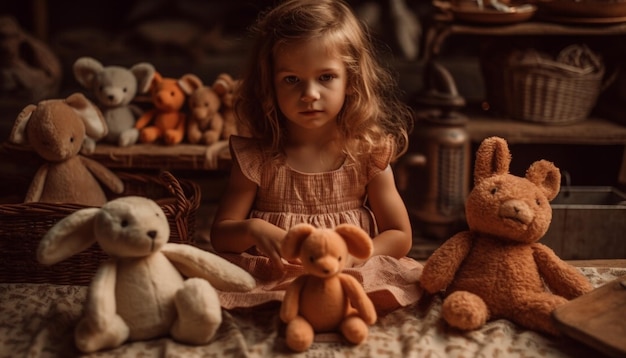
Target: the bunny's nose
pixel 152 234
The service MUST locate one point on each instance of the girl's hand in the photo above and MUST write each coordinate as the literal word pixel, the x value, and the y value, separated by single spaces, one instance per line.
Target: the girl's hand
pixel 268 240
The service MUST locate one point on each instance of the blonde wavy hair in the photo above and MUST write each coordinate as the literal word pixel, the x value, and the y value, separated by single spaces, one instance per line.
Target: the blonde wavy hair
pixel 372 112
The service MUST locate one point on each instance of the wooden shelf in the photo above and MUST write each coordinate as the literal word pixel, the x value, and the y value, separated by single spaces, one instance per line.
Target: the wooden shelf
pixel 593 131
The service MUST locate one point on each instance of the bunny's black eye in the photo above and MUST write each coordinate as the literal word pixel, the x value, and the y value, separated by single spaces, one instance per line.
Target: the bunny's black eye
pixel 124 223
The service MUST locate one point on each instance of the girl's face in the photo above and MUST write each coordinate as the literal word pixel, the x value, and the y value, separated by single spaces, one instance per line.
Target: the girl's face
pixel 310 83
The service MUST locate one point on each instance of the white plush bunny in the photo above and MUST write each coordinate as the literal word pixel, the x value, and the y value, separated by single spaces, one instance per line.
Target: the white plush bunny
pixel 149 287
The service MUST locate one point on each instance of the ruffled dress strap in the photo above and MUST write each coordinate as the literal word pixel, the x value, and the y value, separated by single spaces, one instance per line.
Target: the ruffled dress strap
pixel 379 159
pixel 249 155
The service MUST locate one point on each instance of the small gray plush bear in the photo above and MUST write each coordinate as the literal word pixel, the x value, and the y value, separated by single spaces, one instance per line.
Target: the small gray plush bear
pixel 114 88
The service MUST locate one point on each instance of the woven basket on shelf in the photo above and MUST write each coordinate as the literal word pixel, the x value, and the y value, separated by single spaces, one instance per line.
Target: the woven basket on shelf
pixel 22 226
pixel 550 91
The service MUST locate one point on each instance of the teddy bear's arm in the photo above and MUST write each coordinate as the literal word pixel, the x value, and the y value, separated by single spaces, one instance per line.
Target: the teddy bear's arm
pixel 222 274
pixel 135 110
pixel 441 267
pixel 215 129
pixel 291 301
pixel 145 118
pixel 104 175
pixel 358 298
pixel 36 185
pixel 562 278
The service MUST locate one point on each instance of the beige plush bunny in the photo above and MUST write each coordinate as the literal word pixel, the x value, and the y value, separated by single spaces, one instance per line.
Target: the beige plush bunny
pixel 149 287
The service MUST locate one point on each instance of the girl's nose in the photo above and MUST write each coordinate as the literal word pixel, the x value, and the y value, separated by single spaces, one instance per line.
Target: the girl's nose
pixel 310 93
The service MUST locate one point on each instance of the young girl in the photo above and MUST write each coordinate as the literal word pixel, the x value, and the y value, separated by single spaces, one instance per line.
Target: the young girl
pixel 325 124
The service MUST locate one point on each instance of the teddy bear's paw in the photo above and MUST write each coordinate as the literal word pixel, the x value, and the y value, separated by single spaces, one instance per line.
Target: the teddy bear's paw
pixel 172 137
pixel 354 329
pixel 465 310
pixel 128 137
pixel 299 334
pixel 210 137
pixel 199 312
pixel 90 337
pixel 88 147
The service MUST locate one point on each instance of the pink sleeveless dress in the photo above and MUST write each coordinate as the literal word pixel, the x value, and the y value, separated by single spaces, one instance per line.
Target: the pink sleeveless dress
pixel 286 197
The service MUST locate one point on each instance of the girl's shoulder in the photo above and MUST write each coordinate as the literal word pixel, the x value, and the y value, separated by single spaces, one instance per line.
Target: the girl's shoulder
pixel 378 158
pixel 250 154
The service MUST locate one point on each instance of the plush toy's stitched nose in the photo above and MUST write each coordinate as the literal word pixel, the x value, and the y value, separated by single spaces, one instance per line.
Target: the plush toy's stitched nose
pixel 152 234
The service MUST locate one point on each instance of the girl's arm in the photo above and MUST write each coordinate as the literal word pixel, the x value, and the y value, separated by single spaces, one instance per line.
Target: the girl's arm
pixel 395 237
pixel 232 231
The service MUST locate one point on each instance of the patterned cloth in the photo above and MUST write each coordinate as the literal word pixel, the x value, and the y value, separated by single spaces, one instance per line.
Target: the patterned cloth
pixel 38 320
pixel 286 197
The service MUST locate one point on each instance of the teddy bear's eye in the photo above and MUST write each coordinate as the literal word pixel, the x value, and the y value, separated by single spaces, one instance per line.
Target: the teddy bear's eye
pixel 71 139
pixel 538 202
pixel 339 258
pixel 124 223
pixel 494 190
pixel 173 94
pixel 312 259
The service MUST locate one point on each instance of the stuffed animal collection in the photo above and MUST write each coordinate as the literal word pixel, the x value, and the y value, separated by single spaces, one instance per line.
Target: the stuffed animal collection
pixel 346 307
pixel 55 129
pixel 148 288
pixel 497 269
pixel 114 88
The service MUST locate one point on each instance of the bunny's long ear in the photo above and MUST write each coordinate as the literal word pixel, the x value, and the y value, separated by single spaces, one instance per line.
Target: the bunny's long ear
pixel 492 158
pixel 290 248
pixel 90 114
pixel 71 235
pixel 358 241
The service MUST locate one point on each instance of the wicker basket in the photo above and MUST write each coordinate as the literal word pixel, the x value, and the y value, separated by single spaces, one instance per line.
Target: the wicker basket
pixel 23 225
pixel 531 86
pixel 550 91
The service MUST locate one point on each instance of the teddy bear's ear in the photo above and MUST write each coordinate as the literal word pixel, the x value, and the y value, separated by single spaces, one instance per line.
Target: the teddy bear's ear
pixel 18 133
pixel 69 236
pixel 144 73
pixel 546 176
pixel 95 125
pixel 358 241
pixel 290 248
pixel 155 81
pixel 86 70
pixel 492 158
pixel 190 83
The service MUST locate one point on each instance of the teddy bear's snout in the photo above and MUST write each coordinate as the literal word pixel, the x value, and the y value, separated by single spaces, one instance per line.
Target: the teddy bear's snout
pixel 517 210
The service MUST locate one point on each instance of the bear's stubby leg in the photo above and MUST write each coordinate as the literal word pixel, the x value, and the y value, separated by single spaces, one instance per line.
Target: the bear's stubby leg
pixel 465 310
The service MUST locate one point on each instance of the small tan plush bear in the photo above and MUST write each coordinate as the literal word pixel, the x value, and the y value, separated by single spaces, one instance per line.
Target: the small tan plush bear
pixel 325 299
pixel 497 269
pixel 148 288
pixel 56 130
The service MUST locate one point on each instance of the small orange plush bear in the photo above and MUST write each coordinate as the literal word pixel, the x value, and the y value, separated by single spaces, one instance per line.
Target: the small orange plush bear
pixel 497 269
pixel 167 121
pixel 325 299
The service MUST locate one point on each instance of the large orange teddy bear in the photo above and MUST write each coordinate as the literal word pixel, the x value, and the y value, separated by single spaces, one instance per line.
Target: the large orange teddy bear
pixel 167 121
pixel 497 269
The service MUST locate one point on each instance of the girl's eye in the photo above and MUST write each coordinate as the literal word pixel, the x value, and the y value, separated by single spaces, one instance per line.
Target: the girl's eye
pixel 291 79
pixel 326 77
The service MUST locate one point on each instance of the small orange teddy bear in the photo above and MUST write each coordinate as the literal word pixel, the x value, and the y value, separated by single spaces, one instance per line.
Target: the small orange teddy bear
pixel 325 299
pixel 166 121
